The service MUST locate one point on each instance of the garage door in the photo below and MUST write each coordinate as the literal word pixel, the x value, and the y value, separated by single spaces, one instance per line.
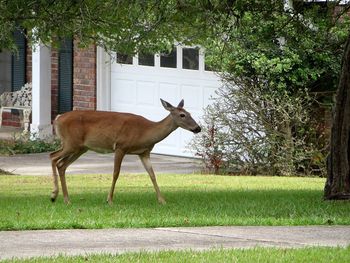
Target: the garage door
pixel 138 83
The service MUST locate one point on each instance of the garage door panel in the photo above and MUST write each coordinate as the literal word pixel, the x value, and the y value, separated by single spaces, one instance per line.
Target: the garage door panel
pixel 151 113
pixel 169 145
pixel 169 92
pixel 123 91
pixel 208 94
pixel 123 108
pixel 186 136
pixel 146 93
pixel 171 140
pixel 193 97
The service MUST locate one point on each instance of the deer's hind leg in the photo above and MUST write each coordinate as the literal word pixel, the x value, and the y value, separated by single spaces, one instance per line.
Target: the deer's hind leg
pixel 61 160
pixel 55 156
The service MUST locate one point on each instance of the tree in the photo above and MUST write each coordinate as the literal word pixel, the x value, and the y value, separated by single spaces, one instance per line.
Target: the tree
pixel 319 35
pixel 338 180
pixel 154 25
pixel 270 66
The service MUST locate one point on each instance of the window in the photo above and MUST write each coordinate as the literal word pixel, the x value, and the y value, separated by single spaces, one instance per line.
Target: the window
pixel 5 72
pixel 124 59
pixel 190 58
pixel 305 6
pixel 65 76
pixel 146 59
pixel 18 68
pixel 168 60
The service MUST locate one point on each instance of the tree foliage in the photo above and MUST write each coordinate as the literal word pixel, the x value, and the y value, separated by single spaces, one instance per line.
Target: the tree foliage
pixel 276 61
pixel 127 26
pixel 290 49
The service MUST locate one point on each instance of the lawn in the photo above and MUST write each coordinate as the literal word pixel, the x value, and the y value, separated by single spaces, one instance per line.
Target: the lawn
pixel 302 255
pixel 192 200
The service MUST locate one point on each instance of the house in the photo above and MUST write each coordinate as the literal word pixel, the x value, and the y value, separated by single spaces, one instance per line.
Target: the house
pixel 89 78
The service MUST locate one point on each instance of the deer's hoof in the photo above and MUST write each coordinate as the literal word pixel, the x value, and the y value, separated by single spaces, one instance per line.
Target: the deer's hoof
pixel 53 196
pixel 161 201
pixel 110 201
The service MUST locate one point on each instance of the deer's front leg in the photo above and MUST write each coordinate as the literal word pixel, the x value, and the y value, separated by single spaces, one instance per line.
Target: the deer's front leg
pixel 145 159
pixel 118 158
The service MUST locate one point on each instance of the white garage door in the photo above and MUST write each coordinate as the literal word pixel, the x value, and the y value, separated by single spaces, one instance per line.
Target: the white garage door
pixel 138 83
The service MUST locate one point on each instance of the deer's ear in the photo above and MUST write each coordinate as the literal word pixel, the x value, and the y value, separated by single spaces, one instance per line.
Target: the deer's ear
pixel 167 105
pixel 181 104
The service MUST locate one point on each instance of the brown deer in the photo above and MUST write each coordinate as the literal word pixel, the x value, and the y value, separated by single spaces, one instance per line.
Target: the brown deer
pixel 121 133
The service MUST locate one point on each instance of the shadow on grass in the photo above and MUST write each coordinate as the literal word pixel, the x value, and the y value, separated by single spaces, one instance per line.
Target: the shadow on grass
pixel 184 208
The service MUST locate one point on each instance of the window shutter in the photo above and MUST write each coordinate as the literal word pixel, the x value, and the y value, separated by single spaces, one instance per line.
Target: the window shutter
pixel 65 76
pixel 18 65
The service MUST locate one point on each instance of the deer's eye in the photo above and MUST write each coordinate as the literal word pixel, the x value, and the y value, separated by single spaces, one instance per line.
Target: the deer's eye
pixel 182 115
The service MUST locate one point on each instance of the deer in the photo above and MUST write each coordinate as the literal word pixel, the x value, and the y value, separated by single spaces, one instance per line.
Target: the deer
pixel 108 132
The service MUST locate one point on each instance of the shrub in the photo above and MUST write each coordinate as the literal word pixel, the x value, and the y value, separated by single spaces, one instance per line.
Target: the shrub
pixel 23 144
pixel 249 131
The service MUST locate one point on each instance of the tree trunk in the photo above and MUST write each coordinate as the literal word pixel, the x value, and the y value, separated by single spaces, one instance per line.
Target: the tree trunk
pixel 338 181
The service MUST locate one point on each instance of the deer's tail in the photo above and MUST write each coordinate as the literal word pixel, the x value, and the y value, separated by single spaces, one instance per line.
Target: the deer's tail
pixel 56 127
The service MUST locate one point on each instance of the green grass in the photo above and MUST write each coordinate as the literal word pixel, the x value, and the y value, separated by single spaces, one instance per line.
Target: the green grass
pixel 319 255
pixel 192 200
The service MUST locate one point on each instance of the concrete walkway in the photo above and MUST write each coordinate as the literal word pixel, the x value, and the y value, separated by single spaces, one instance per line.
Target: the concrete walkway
pixel 24 244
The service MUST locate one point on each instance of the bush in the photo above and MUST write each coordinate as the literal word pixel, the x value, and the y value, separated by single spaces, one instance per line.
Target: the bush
pixel 4 172
pixel 23 144
pixel 249 131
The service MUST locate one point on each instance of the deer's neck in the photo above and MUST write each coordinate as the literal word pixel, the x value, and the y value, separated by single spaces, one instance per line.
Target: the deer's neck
pixel 163 128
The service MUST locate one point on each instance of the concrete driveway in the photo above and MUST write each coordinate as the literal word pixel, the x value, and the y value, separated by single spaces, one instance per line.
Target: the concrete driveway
pixel 94 163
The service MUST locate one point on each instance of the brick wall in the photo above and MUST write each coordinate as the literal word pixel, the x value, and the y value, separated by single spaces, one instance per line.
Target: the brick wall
pixel 84 77
pixel 9 119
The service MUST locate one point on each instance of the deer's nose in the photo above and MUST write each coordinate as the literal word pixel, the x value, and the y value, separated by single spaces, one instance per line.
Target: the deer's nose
pixel 197 130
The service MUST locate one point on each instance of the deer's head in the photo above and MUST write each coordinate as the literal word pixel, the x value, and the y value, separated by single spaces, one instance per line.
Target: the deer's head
pixel 181 117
